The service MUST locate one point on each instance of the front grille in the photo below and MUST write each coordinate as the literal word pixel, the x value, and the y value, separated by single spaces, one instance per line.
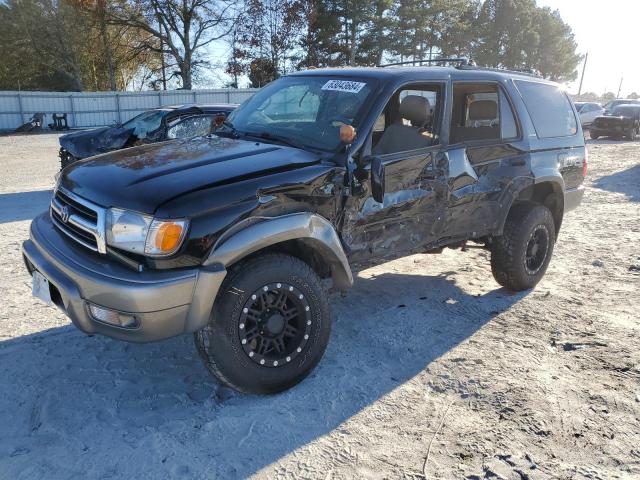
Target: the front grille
pixel 607 123
pixel 79 220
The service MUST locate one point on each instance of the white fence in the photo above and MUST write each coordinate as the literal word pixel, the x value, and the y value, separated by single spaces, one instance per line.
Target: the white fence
pixel 93 109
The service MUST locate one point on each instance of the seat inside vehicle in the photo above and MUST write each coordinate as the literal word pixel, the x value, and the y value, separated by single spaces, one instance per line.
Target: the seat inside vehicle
pixel 475 114
pixel 410 129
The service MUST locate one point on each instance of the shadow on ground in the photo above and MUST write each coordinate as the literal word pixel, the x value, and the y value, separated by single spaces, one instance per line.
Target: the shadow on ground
pixel 627 182
pixel 23 205
pixel 86 407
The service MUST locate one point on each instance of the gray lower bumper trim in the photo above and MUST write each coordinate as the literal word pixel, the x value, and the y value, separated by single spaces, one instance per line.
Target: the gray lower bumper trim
pixel 167 303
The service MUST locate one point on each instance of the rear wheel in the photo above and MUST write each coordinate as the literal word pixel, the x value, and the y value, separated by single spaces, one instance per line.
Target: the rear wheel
pixel 269 326
pixel 520 257
pixel 594 136
pixel 632 134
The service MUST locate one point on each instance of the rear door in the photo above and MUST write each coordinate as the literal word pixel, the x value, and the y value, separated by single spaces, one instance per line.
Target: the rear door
pixel 486 151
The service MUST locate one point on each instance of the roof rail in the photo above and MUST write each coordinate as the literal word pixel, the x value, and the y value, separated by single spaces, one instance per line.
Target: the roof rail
pixel 461 61
pixel 531 72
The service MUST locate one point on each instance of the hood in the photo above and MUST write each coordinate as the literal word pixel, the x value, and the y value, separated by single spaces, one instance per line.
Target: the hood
pixel 143 178
pixel 88 143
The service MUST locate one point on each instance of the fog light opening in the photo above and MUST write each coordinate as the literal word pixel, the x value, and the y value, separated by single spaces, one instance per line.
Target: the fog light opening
pixel 113 317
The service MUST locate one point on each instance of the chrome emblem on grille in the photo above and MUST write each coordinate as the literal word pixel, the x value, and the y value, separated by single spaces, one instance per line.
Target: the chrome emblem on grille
pixel 64 214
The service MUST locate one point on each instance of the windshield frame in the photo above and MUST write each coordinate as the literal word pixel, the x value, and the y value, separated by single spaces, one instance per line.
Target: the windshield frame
pixel 279 136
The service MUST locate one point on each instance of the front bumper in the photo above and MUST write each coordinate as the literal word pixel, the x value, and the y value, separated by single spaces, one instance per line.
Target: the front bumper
pixel 607 131
pixel 165 303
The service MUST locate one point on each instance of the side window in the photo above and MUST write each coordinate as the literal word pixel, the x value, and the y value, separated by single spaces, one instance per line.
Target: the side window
pixel 481 113
pixel 410 121
pixel 189 127
pixel 508 125
pixel 549 108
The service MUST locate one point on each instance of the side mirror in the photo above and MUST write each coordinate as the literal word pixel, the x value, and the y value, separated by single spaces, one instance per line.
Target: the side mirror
pixel 377 179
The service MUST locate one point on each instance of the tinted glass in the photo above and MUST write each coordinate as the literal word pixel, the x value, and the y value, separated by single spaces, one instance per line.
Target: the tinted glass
pixel 306 110
pixel 508 122
pixel 549 109
pixel 625 111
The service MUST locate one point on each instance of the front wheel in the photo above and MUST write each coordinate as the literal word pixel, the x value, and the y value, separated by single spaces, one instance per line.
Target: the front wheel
pixel 520 257
pixel 269 326
pixel 594 136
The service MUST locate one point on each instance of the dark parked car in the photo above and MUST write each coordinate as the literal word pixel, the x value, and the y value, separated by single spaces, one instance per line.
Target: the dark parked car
pixel 156 125
pixel 588 112
pixel 611 105
pixel 319 174
pixel 624 121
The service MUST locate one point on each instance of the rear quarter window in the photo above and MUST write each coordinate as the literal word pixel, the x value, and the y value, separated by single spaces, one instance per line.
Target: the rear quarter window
pixel 549 109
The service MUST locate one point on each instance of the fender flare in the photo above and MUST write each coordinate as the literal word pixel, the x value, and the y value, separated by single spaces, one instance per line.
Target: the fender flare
pixel 554 180
pixel 262 232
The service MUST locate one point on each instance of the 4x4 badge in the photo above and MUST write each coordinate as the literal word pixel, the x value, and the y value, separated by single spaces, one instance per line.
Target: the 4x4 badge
pixel 64 214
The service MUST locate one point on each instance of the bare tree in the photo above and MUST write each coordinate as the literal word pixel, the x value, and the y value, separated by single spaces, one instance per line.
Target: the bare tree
pixel 179 29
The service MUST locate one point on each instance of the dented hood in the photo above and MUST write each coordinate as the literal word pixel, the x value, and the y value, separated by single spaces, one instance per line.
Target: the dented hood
pixel 88 143
pixel 143 178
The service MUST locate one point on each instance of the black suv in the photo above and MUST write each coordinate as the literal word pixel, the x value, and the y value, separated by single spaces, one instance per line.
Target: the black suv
pixel 317 175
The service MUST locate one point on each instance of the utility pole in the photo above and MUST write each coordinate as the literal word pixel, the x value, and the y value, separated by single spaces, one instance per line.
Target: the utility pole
pixel 584 67
pixel 620 87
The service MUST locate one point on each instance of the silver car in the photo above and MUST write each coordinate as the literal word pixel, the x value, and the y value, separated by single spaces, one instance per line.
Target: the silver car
pixel 588 112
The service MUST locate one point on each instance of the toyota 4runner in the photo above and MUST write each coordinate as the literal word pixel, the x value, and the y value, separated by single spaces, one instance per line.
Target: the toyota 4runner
pixel 230 236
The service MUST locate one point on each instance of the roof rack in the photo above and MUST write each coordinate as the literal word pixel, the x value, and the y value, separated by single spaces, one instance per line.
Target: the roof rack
pixel 461 61
pixel 531 72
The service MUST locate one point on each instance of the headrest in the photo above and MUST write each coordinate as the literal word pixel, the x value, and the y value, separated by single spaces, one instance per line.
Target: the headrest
pixel 483 110
pixel 416 109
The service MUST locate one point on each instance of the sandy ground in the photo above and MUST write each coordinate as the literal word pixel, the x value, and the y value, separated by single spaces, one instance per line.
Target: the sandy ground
pixel 429 358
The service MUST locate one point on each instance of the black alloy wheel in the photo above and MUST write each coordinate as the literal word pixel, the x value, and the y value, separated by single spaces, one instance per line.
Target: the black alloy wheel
pixel 537 249
pixel 275 324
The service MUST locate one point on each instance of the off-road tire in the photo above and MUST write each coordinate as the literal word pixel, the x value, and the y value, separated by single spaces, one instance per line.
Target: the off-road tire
pixel 219 343
pixel 509 251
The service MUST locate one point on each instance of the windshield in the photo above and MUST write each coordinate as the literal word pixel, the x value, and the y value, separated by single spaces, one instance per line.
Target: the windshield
pixel 624 111
pixel 146 122
pixel 305 111
pixel 580 106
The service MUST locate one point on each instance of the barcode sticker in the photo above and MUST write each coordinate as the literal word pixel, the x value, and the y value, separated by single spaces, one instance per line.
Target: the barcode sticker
pixel 343 86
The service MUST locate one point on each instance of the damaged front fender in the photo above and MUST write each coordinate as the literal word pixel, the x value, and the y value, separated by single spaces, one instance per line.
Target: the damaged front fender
pixel 260 233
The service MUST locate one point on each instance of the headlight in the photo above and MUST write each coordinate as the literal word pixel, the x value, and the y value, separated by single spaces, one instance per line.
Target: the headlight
pixel 143 234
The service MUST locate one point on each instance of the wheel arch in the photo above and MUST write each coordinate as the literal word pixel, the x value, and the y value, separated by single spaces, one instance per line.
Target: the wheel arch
pixel 545 191
pixel 307 236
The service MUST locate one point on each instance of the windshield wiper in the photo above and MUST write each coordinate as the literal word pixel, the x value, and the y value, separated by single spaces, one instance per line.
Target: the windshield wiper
pixel 275 138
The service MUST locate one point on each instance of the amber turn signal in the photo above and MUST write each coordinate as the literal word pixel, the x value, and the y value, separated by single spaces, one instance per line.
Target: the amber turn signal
pixel 165 236
pixel 168 237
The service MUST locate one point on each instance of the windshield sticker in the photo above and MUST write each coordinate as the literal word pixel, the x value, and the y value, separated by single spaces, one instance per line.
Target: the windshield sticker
pixel 343 86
